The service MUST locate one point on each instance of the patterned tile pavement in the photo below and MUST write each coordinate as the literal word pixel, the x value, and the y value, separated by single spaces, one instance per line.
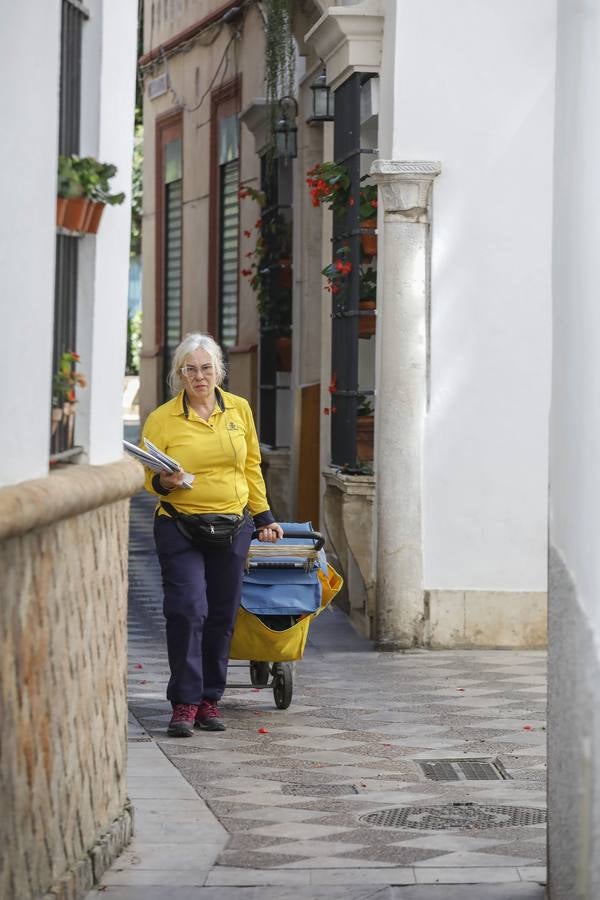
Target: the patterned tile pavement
pixel 289 787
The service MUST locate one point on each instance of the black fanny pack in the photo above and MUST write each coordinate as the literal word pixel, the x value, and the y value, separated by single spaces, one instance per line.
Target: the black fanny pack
pixel 207 529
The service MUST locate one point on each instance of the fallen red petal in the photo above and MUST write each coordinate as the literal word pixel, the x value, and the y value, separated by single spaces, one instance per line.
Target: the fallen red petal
pixel 263 730
pixel 138 666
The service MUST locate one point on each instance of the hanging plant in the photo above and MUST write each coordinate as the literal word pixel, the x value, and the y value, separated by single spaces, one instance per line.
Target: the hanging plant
pixel 268 266
pixel 337 272
pixel 329 184
pixel 280 57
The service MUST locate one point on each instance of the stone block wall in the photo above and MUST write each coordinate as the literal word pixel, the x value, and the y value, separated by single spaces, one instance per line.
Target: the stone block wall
pixel 63 559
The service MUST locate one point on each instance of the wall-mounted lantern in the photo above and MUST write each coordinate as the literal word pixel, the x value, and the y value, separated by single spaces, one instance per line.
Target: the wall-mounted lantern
pixel 286 130
pixel 322 101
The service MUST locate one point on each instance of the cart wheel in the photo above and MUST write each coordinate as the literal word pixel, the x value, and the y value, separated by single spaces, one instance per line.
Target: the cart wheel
pixel 259 673
pixel 283 685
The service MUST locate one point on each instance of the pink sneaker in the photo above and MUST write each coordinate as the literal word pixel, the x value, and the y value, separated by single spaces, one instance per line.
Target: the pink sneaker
pixel 182 720
pixel 208 716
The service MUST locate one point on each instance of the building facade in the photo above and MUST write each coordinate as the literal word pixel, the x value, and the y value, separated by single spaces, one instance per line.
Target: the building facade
pixel 412 423
pixel 64 486
pixel 206 130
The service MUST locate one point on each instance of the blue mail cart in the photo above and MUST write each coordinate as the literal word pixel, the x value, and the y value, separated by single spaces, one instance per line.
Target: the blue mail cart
pixel 285 586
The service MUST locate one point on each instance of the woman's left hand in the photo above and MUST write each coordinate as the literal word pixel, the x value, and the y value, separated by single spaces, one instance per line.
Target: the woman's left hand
pixel 270 532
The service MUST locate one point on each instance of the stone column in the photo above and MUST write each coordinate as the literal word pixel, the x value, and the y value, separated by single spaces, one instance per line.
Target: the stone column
pixel 405 191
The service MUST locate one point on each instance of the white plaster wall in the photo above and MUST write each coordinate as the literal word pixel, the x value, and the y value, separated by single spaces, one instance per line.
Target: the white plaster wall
pixel 107 133
pixel 575 419
pixel 473 88
pixel 28 154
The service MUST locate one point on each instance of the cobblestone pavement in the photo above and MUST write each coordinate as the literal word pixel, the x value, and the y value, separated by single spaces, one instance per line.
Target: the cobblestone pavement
pixel 275 806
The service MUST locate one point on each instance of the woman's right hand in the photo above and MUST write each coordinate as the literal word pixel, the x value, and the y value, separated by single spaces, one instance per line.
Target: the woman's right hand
pixel 171 480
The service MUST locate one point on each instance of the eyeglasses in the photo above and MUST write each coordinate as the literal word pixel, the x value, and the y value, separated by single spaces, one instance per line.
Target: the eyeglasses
pixel 192 371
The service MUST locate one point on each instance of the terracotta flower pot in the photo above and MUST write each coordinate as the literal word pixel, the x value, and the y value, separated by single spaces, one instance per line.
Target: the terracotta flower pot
pixel 366 324
pixel 368 241
pixel 93 217
pixel 364 438
pixel 75 213
pixel 61 206
pixel 284 354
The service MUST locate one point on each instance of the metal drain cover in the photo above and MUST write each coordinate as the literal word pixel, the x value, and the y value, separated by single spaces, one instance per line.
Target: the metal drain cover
pixel 455 815
pixel 463 769
pixel 318 790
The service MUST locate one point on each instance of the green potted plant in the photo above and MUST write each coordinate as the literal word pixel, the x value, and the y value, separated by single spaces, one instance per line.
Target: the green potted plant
pixel 83 191
pixel 98 191
pixel 72 204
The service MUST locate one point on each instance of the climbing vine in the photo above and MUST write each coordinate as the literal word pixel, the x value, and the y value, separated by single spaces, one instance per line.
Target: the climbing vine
pixel 280 56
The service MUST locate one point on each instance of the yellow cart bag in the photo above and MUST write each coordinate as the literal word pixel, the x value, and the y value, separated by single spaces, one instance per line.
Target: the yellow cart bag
pixel 253 640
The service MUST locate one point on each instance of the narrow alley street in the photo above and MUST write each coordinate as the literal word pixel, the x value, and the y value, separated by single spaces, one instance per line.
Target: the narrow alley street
pixel 278 805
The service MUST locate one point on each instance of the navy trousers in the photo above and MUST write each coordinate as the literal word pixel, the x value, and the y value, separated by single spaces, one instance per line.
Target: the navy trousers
pixel 202 591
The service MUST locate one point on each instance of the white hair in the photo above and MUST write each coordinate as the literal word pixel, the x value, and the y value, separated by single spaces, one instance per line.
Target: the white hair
pixel 191 343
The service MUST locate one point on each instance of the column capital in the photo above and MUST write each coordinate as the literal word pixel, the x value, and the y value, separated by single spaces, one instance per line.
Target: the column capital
pixel 405 187
pixel 348 39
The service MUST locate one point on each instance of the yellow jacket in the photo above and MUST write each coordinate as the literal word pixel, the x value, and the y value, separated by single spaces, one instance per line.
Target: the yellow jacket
pixel 222 453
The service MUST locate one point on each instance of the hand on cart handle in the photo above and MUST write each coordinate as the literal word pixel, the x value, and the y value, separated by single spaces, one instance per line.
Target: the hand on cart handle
pixel 270 533
pixel 315 536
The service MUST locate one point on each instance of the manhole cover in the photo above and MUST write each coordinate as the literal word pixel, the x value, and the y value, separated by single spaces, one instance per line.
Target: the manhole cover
pixel 455 815
pixel 308 790
pixel 463 769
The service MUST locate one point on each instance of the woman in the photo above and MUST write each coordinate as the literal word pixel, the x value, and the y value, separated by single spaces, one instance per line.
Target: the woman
pixel 211 434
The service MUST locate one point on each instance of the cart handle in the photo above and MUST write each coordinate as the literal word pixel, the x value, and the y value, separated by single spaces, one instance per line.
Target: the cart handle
pixel 316 536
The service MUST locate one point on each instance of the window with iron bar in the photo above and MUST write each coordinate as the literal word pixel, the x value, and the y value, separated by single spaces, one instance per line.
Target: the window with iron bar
pixel 73 16
pixel 275 302
pixel 347 396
